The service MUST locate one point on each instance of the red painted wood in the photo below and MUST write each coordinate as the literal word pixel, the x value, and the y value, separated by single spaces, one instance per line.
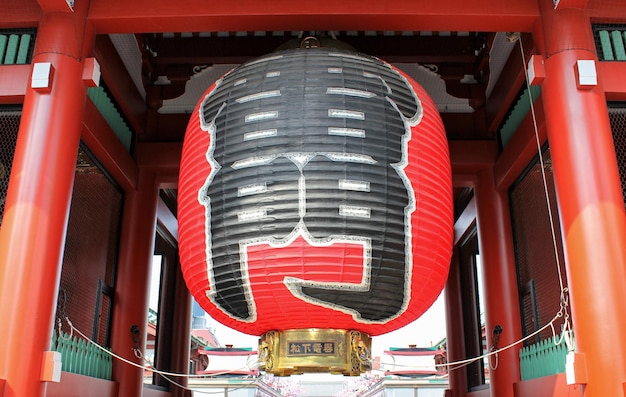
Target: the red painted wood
pixel 36 212
pixel 161 158
pixel 611 75
pixel 607 12
pixel 13 82
pixel 521 148
pixel 20 14
pixel 163 16
pixel 133 281
pixel 74 385
pixel 590 200
pixel 115 16
pixel 181 333
pixel 108 149
pixel 561 4
pixel 119 83
pixel 511 79
pixel 54 6
pixel 167 219
pixel 547 386
pixel 457 377
pixel 465 222
pixel 151 392
pixel 470 157
pixel 480 393
pixel 500 280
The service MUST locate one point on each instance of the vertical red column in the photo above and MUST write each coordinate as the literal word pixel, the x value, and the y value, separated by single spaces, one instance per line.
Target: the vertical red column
pixel 457 375
pixel 589 198
pixel 500 282
pixel 181 334
pixel 133 282
pixel 37 207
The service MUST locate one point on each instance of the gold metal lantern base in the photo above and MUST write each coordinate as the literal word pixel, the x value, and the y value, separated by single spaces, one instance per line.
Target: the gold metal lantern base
pixel 299 351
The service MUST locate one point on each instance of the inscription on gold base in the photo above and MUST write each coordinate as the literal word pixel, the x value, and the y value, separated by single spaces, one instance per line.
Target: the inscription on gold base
pixel 297 351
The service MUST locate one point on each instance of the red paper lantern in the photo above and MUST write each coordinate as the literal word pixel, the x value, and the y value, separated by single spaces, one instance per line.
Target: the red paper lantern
pixel 315 192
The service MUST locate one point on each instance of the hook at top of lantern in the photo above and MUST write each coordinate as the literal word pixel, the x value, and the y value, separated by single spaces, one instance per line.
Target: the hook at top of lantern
pixel 315 193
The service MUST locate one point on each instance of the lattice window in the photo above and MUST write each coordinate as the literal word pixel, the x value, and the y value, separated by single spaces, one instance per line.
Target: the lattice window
pixel 91 249
pixel 9 125
pixel 617 116
pixel 538 279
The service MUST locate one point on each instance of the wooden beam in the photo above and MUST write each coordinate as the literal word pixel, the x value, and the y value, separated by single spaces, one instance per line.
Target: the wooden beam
pixel 607 12
pixel 120 84
pixel 237 49
pixel 163 159
pixel 118 16
pixel 576 4
pixel 469 157
pixel 167 220
pixel 511 80
pixel 109 151
pixel 465 222
pixel 521 148
pixel 55 6
pixel 13 82
pixel 20 14
pixel 611 76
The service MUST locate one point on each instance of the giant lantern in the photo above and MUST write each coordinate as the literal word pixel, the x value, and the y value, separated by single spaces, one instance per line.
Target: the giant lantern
pixel 315 205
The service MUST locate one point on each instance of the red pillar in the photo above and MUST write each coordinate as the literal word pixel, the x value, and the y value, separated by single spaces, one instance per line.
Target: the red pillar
pixel 590 201
pixel 181 335
pixel 133 282
pixel 500 281
pixel 33 231
pixel 457 375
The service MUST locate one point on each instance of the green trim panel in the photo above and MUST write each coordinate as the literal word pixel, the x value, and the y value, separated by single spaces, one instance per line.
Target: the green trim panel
pixel 519 112
pixel 113 118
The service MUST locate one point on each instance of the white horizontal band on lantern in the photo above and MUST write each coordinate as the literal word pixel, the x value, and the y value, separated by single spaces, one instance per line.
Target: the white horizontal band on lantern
pixel 251 189
pixel 252 162
pixel 258 95
pixel 248 136
pixel 335 70
pixel 357 212
pixel 261 116
pixel 266 59
pixel 272 74
pixel 346 114
pixel 359 186
pixel 349 92
pixel 252 215
pixel 351 157
pixel 349 56
pixel 240 82
pixel 351 132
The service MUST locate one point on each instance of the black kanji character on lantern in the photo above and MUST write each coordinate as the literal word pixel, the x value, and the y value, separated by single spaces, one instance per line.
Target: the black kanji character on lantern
pixel 312 142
